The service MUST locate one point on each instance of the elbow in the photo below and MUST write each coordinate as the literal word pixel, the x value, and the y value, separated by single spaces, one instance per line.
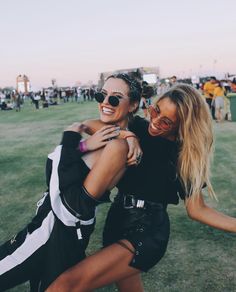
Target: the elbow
pixel 89 127
pixel 195 209
pixel 192 213
pixel 86 126
pixel 86 122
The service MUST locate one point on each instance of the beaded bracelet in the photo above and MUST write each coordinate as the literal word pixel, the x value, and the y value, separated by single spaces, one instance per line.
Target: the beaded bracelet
pixel 82 146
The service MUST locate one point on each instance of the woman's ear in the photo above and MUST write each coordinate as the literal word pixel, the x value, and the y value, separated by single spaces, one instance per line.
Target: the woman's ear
pixel 133 107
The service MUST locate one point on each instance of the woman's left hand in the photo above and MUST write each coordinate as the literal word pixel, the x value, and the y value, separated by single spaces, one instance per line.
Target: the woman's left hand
pixel 135 152
pixel 102 137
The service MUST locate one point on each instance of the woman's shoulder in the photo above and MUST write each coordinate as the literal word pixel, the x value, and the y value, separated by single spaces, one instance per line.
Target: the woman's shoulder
pixel 138 119
pixel 138 122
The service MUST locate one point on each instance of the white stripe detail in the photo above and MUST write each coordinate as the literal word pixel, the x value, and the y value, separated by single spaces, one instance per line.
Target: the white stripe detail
pixel 87 222
pixel 31 244
pixel 79 234
pixel 140 204
pixel 41 201
pixel 58 207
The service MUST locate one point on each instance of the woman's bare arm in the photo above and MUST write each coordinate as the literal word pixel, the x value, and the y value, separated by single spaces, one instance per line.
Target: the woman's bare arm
pixel 92 126
pixel 96 126
pixel 199 211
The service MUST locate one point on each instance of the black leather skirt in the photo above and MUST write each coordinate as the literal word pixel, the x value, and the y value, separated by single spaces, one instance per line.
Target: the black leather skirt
pixel 144 224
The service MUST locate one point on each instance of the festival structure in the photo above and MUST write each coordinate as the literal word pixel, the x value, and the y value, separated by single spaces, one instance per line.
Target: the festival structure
pixel 22 84
pixel 149 74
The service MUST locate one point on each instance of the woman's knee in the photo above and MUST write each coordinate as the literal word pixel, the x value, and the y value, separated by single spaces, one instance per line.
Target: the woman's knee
pixel 117 146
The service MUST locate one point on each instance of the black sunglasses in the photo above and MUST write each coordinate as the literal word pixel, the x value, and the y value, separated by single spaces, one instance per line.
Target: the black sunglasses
pixel 112 99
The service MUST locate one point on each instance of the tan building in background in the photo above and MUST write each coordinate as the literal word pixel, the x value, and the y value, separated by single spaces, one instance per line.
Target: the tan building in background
pixel 22 84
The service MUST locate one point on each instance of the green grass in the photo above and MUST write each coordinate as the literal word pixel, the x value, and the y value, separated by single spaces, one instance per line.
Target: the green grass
pixel 198 258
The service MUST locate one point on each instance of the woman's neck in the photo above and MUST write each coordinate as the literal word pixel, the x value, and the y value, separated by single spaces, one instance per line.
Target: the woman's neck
pixel 123 125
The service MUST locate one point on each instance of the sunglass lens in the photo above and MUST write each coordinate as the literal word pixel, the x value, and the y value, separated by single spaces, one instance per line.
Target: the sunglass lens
pixel 165 126
pixel 114 100
pixel 99 97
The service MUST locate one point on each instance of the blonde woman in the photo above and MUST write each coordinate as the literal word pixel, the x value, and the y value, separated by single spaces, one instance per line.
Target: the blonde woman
pixel 177 148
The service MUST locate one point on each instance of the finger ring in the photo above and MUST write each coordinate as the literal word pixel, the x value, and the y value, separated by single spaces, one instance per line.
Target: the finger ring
pixel 138 158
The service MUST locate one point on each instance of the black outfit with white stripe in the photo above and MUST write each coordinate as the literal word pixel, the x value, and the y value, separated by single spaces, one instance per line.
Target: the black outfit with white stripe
pixel 58 235
pixel 138 213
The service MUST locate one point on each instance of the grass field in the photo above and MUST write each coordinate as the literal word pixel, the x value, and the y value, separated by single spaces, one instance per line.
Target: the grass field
pixel 198 258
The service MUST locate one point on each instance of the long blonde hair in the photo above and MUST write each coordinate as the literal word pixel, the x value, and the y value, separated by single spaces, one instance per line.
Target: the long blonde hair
pixel 195 137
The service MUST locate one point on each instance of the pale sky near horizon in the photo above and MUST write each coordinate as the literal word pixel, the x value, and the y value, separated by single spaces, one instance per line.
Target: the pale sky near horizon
pixel 75 40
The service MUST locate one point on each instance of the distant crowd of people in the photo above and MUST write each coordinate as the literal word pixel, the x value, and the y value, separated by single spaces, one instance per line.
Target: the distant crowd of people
pixel 13 100
pixel 215 92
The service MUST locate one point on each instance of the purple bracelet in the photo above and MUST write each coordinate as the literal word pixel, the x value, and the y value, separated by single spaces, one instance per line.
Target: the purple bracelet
pixel 82 146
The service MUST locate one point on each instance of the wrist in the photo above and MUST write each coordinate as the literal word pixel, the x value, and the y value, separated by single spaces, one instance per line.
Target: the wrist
pixel 131 136
pixel 83 146
pixel 125 133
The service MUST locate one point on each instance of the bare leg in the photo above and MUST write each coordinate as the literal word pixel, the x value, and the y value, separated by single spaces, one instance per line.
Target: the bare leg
pixel 104 267
pixel 107 169
pixel 131 284
pixel 221 114
pixel 217 114
pixel 90 158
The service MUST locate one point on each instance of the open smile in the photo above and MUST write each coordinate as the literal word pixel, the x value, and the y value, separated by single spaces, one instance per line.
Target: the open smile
pixel 107 111
pixel 153 127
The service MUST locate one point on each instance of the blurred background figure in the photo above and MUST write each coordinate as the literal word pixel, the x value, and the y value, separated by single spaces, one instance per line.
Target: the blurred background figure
pixel 208 91
pixel 37 98
pixel 173 80
pixel 146 99
pixel 18 102
pixel 218 98
pixel 162 88
pixel 6 106
pixel 233 85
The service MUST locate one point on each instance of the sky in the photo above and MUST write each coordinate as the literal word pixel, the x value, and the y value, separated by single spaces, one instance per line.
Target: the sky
pixel 74 40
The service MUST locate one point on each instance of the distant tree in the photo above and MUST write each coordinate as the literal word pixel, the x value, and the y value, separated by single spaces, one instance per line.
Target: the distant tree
pixel 8 88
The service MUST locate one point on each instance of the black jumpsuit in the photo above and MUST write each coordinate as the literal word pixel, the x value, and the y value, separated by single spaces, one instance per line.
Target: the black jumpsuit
pixel 58 235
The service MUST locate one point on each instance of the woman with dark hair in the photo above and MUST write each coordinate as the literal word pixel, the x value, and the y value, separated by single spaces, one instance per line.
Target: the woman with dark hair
pixel 58 235
pixel 177 147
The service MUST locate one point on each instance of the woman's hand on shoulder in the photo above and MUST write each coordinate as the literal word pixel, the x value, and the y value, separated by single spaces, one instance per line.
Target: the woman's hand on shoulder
pixel 102 137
